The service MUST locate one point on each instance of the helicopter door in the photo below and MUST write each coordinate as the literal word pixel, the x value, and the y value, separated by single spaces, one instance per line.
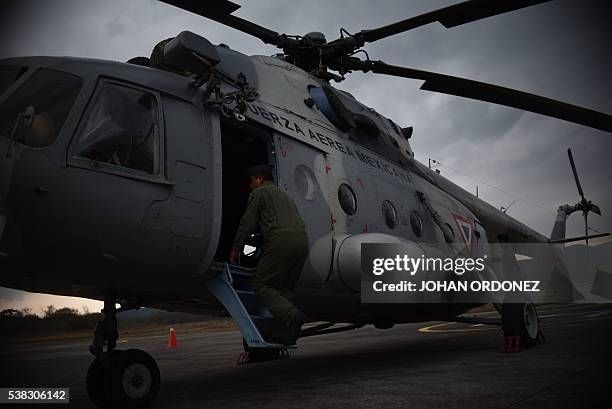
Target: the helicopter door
pixel 117 173
pixel 301 173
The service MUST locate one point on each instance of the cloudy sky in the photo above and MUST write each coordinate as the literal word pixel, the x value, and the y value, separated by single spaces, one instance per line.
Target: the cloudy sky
pixel 559 50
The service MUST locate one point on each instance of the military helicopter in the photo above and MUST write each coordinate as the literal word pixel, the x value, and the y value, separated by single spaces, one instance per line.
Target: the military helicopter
pixel 124 182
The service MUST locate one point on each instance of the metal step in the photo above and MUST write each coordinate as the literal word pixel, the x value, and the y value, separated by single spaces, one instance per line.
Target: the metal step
pixel 250 300
pixel 245 307
pixel 267 325
pixel 239 270
pixel 243 283
pixel 242 277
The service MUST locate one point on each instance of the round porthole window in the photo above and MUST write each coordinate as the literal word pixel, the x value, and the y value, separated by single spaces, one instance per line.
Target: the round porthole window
pixel 347 199
pixel 389 214
pixel 416 223
pixel 306 183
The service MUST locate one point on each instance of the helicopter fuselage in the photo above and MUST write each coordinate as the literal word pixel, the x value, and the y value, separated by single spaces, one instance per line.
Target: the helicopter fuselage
pixel 150 219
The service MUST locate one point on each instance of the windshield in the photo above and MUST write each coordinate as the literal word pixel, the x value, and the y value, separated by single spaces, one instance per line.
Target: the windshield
pixel 51 94
pixel 119 128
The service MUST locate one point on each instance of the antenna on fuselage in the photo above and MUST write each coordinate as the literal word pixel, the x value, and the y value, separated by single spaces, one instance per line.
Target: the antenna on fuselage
pixel 505 209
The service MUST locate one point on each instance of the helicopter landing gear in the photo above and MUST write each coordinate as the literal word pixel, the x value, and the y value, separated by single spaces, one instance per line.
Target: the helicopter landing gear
pixel 125 379
pixel 119 378
pixel 251 355
pixel 521 320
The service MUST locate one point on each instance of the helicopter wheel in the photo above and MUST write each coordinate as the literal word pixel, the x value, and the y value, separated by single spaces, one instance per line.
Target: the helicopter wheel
pixel 521 320
pixel 127 379
pixel 95 383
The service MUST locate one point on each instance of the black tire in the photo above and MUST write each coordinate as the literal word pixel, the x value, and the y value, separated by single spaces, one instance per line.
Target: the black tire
pixel 521 319
pixel 99 381
pixel 135 380
pixel 95 383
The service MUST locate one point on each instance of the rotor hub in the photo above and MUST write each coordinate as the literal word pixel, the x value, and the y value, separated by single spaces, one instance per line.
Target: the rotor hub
pixel 315 38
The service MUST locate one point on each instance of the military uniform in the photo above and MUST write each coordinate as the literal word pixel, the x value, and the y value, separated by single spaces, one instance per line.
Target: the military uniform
pixel 285 249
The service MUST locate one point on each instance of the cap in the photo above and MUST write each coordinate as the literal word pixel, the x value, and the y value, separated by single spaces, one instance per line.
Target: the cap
pixel 262 168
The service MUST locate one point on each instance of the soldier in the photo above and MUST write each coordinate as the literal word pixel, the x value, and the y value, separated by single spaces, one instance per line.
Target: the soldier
pixel 285 247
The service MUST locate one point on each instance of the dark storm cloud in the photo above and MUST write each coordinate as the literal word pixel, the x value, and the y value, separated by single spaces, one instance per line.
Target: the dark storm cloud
pixel 558 49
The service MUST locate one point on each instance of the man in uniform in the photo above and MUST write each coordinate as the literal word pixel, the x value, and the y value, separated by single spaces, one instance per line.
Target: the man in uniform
pixel 285 247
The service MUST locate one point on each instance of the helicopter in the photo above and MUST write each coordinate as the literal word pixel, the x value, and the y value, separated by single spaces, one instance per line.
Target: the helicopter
pixel 124 182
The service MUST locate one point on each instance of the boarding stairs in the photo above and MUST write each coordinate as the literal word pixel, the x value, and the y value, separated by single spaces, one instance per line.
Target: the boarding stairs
pixel 234 289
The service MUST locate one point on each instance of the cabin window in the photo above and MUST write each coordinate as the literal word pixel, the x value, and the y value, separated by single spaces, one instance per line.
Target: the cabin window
pixel 41 104
pixel 120 129
pixel 306 183
pixel 416 223
pixel 389 214
pixel 347 199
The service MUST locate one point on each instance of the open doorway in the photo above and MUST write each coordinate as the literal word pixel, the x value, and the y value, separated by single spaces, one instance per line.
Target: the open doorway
pixel 243 145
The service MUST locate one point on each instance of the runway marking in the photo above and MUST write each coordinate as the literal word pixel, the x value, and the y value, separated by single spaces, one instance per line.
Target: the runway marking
pixel 540 308
pixel 433 328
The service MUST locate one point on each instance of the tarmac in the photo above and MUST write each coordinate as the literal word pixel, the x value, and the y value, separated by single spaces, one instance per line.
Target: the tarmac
pixel 424 365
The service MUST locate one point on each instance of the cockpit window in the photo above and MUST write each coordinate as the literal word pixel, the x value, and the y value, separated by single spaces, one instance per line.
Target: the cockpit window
pixel 120 129
pixel 8 76
pixel 47 97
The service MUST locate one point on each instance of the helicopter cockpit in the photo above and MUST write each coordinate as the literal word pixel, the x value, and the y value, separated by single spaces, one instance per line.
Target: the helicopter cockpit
pixel 43 101
pixel 120 129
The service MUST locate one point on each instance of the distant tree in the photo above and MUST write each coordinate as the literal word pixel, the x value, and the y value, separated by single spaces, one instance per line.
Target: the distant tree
pixel 66 311
pixel 11 313
pixel 27 312
pixel 48 311
pixel 85 310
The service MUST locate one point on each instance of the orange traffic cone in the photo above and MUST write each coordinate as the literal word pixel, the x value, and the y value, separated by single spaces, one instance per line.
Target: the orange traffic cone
pixel 172 339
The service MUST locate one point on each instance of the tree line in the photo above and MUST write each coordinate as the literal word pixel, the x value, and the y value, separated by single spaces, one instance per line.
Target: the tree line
pixel 52 320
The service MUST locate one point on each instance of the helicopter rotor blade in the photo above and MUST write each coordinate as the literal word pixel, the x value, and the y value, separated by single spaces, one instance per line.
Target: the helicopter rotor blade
pixel 221 11
pixel 451 16
pixel 487 92
pixel 571 159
